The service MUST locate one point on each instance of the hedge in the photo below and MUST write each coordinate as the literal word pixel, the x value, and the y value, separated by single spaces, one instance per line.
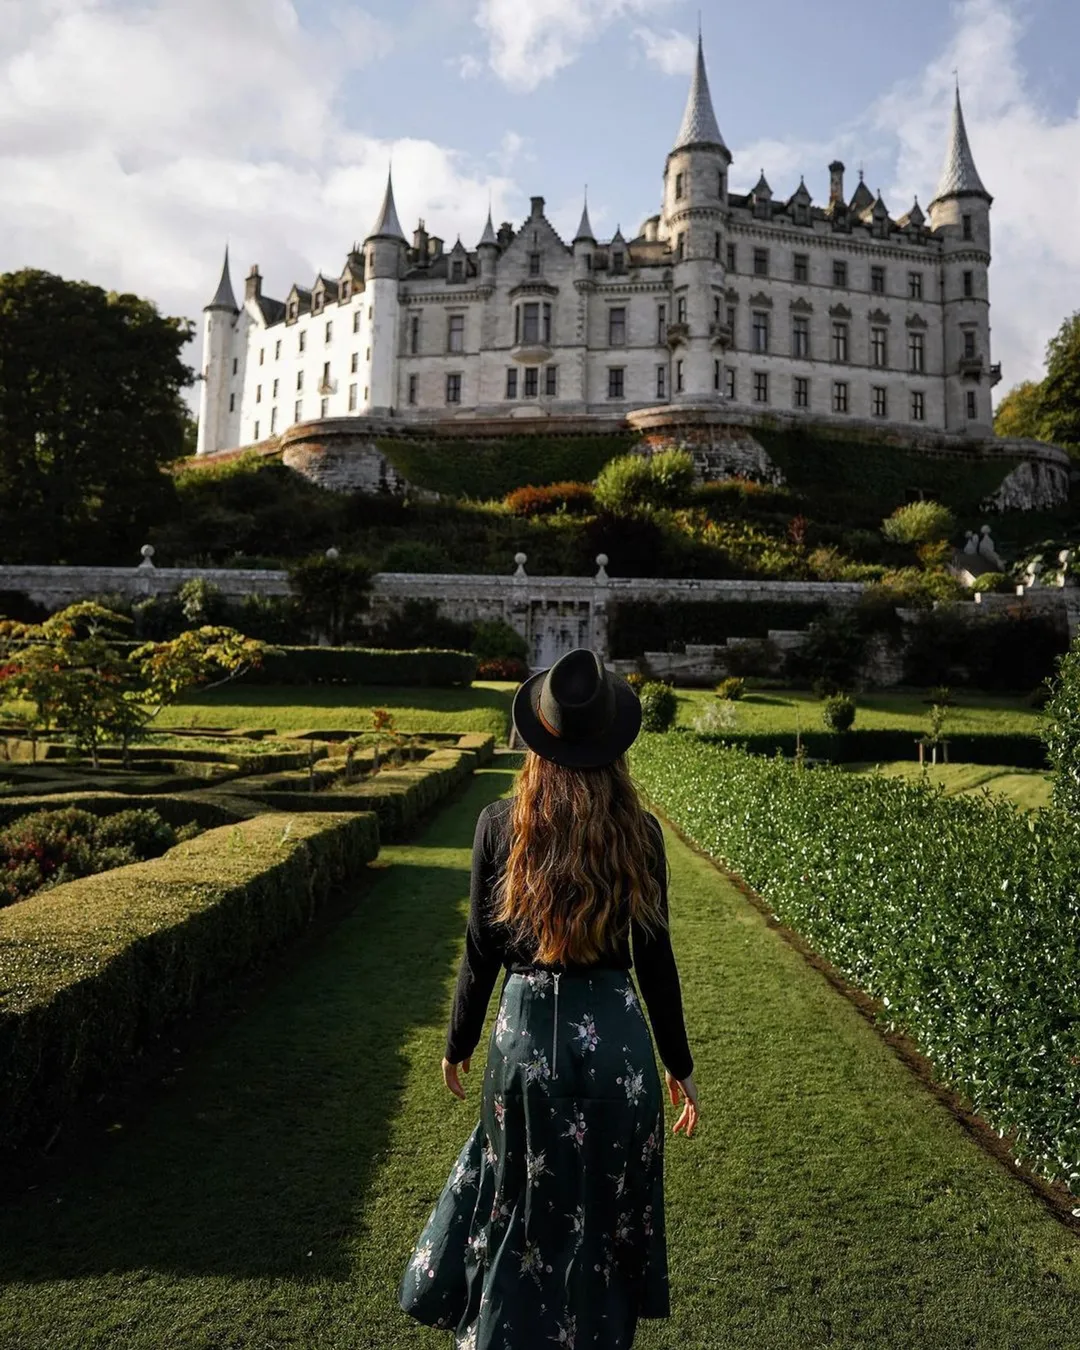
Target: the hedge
pixel 1020 749
pixel 208 809
pixel 637 626
pixel 91 970
pixel 365 665
pixel 961 916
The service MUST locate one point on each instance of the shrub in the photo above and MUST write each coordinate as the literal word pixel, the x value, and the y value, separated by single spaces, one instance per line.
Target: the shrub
pixel 363 665
pixel 958 914
pixel 833 653
pixel 495 640
pixel 413 555
pixel 502 668
pixel 419 623
pixel 638 482
pixel 635 680
pixel 659 705
pixel 732 688
pixel 636 626
pixel 576 499
pixel 741 497
pixel 922 522
pixel 331 592
pixel 994 582
pixel 839 712
pixel 1061 731
pixel 1010 650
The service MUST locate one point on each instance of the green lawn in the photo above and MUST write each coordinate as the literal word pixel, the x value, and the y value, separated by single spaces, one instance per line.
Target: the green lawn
pixel 782 710
pixel 270 1195
pixel 1026 787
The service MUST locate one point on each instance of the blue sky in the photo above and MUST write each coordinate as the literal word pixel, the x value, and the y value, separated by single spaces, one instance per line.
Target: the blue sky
pixel 136 136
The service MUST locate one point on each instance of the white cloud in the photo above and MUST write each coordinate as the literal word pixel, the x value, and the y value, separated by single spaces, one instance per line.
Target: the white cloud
pixel 133 142
pixel 468 66
pixel 673 52
pixel 531 40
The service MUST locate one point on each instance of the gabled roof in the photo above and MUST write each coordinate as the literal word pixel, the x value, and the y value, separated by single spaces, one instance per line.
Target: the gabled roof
pixel 959 176
pixel 223 296
pixel 388 226
pixel 699 125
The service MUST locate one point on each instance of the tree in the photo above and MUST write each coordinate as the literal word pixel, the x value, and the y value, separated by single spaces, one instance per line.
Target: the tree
pixel 90 413
pixel 331 591
pixel 1020 412
pixel 1059 398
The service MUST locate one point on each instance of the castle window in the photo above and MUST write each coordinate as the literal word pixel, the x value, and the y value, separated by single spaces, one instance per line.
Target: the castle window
pixel 965 222
pixel 971 409
pixel 716 376
pixel 326 372
pixel 356 322
pixel 720 185
pixel 969 284
pixel 547 323
pixel 255 432
pixel 618 260
pixel 879 351
pixel 761 386
pixel 800 336
pixel 969 345
pixel 731 322
pixel 661 325
pixel 530 322
pixel 840 396
pixel 661 381
pixel 329 330
pixel 680 245
pixel 680 309
pixel 352 397
pixel 258 393
pixel 354 363
pixel 716 246
pixel 298 409
pixel 301 341
pixel 839 342
pixel 299 379
pixel 345 289
pixel 532 381
pixel 534 264
pixel 457 270
pixel 275 389
pixel 414 333
pixel 916 346
pixel 914 285
pixel 729 382
pixel 731 257
pixel 801 267
pixel 367 355
pixel 455 333
pixel 678 186
pixel 262 355
pixel 551 381
pixel 235 365
pixel 277 350
pixel 760 330
pixel 324 406
pixel 617 327
pixel 918 405
pixel 678 377
pixel 802 391
pixel 877 280
pixel 414 384
pixel 716 309
pixel 294 308
pixel 802 214
pixel 880 401
pixel 316 303
pixel 273 420
pixel 511 382
pixel 453 388
pixel 615 381
pixel 232 402
pixel 839 272
pixel 761 262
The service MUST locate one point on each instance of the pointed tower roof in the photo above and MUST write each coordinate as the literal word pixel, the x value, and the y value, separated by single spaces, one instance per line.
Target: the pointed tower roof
pixel 862 198
pixel 699 125
pixel 761 187
pixel 388 226
pixel 585 229
pixel 488 237
pixel 959 176
pixel 223 296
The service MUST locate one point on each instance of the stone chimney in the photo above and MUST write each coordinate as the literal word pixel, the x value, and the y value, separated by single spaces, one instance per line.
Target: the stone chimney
pixel 420 241
pixel 537 208
pixel 253 283
pixel 836 183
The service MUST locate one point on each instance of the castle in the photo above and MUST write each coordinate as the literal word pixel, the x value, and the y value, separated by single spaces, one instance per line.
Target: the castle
pixel 838 313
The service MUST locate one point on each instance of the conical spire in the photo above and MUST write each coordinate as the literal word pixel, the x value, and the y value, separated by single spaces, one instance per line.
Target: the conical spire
pixel 388 226
pixel 223 296
pixel 699 126
pixel 959 175
pixel 585 229
pixel 489 236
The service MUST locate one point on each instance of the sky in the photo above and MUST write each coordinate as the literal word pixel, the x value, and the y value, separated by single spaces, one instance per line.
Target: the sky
pixel 137 137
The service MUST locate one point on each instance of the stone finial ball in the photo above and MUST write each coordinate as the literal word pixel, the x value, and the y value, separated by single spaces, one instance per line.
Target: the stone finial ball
pixel 601 560
pixel 147 550
pixel 521 559
pixel 333 554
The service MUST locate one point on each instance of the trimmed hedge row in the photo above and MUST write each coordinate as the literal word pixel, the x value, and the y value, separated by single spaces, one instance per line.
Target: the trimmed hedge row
pixel 428 667
pixel 91 970
pixel 960 915
pixel 1020 749
pixel 208 809
pixel 638 626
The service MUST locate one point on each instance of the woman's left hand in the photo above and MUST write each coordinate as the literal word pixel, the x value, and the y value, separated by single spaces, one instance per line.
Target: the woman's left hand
pixel 450 1076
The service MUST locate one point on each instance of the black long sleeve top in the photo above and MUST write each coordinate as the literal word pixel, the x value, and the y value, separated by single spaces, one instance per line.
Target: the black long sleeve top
pixel 488 948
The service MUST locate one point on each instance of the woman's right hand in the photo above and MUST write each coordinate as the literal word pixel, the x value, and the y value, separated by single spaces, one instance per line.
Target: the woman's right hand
pixel 690 1107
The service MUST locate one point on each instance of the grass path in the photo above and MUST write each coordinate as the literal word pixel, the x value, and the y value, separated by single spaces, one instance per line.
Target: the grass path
pixel 1029 788
pixel 271 1196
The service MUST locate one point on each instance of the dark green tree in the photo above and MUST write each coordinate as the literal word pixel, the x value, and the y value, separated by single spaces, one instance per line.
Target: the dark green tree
pixel 331 592
pixel 1059 394
pixel 90 414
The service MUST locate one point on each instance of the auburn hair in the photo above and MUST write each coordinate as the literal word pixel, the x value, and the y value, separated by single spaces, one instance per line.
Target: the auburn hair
pixel 580 841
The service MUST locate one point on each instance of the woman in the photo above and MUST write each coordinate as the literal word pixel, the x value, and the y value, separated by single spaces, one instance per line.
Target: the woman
pixel 550 1228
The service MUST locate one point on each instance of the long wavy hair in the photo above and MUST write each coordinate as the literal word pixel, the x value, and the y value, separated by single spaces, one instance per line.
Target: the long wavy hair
pixel 580 843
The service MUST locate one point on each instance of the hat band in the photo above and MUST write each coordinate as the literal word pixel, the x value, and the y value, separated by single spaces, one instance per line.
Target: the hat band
pixel 553 731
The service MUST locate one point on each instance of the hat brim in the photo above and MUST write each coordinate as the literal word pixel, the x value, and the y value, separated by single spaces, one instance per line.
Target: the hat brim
pixel 593 753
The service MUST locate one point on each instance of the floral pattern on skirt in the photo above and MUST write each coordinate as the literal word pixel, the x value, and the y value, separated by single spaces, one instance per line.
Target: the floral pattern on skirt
pixel 550 1228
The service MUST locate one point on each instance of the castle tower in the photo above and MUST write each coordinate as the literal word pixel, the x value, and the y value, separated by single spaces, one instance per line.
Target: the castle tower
pixel 384 249
pixel 960 213
pixel 584 244
pixel 692 221
pixel 488 253
pixel 219 423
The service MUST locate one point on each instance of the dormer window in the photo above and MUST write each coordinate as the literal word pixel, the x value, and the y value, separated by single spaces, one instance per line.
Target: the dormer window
pixel 346 288
pixel 802 215
pixel 678 186
pixel 534 264
pixel 457 270
pixel 294 308
pixel 618 258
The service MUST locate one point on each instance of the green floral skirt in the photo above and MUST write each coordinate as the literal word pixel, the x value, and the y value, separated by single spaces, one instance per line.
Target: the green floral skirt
pixel 550 1228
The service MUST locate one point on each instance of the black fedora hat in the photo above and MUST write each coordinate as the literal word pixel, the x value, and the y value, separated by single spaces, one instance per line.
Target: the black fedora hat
pixel 577 713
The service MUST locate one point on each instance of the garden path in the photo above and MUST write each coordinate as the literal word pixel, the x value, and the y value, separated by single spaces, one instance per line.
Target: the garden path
pixel 269 1197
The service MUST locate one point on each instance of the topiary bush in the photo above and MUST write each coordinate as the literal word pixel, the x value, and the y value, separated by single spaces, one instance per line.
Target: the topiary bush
pixel 659 705
pixel 839 712
pixel 643 483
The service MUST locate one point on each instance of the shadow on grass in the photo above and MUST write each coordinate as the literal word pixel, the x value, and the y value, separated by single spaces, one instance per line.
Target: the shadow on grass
pixel 255 1163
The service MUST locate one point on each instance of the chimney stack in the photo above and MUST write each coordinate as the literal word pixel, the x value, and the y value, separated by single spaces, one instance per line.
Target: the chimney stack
pixel 836 183
pixel 253 284
pixel 537 207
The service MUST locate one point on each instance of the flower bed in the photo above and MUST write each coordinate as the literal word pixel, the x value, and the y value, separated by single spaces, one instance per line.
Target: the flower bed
pixel 961 916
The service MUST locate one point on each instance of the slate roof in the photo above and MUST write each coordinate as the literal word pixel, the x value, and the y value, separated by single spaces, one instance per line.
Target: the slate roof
pixel 223 296
pixel 699 125
pixel 959 176
pixel 388 225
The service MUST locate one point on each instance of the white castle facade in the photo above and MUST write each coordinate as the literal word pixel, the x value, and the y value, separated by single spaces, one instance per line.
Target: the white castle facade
pixel 753 303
